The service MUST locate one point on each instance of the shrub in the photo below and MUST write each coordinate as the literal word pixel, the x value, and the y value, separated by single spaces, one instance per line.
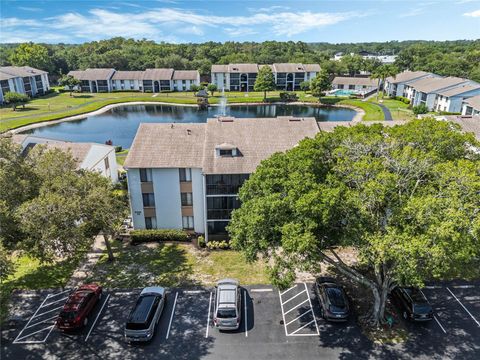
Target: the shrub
pixel 330 100
pixel 215 245
pixel 420 109
pixel 288 96
pixel 118 148
pixel 449 113
pixel 403 99
pixel 201 241
pixel 140 236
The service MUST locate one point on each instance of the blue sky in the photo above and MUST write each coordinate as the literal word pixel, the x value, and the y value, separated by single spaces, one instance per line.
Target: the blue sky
pixel 179 21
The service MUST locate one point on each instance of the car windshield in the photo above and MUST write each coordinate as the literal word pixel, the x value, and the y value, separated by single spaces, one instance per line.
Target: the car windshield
pixel 336 297
pixel 226 313
pixel 422 308
pixel 67 315
pixel 416 296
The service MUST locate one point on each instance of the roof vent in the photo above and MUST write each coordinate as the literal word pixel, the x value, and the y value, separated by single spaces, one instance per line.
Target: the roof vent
pixel 189 132
pixel 171 126
pixel 235 69
pixel 225 119
pixel 295 119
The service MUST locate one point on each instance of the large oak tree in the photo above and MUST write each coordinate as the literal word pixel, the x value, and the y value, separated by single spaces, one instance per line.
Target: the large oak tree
pixel 407 198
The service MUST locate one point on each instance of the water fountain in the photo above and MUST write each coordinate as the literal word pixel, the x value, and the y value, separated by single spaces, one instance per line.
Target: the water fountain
pixel 222 106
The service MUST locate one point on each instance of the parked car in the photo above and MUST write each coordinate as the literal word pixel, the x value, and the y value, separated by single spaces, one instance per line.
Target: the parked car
pixel 333 300
pixel 412 303
pixel 79 306
pixel 227 311
pixel 146 313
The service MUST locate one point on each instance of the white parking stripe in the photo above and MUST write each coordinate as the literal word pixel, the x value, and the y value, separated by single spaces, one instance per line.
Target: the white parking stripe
pixel 246 314
pixel 49 311
pixel 36 332
pixel 98 315
pixel 194 291
pixel 300 293
pixel 171 316
pixel 208 318
pixel 296 307
pixel 468 312
pixel 283 314
pixel 463 286
pixel 438 322
pixel 261 290
pixel 311 307
pixel 298 317
pixel 60 293
pixel 304 326
pixel 283 293
pixel 41 322
pixel 30 320
pixel 56 301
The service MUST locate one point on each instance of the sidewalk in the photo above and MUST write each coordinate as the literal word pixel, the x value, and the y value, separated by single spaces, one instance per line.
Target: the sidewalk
pixel 87 265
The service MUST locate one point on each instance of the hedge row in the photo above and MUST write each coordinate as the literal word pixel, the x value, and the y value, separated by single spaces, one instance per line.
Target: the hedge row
pixel 402 99
pixel 140 236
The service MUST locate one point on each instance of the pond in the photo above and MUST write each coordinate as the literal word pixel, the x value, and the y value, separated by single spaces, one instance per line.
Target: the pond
pixel 121 123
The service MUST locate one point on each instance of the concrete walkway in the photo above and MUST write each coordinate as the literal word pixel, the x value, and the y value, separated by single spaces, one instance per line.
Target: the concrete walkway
pixel 386 112
pixel 87 265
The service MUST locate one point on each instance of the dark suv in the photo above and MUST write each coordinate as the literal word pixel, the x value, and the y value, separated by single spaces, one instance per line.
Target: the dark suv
pixel 412 303
pixel 79 306
pixel 333 300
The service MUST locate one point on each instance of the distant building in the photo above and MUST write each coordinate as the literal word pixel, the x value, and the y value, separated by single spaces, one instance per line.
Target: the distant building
pixel 187 176
pixel 150 80
pixel 358 85
pixel 89 156
pixel 471 106
pixel 385 59
pixel 241 77
pixel 24 80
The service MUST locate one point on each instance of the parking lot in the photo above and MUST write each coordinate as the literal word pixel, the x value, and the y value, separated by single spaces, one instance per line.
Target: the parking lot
pixel 275 325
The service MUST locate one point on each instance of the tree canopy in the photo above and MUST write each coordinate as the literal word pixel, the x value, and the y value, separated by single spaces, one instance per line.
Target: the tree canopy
pixel 320 84
pixel 265 81
pixel 15 99
pixel 406 198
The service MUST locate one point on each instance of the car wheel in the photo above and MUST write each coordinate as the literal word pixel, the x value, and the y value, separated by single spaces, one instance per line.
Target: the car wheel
pixel 85 322
pixel 405 315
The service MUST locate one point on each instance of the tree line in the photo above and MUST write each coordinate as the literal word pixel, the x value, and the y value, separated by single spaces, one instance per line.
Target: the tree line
pixel 450 58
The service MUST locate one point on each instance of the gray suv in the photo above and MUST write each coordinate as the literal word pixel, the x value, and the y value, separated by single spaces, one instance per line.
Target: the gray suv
pixel 227 311
pixel 145 315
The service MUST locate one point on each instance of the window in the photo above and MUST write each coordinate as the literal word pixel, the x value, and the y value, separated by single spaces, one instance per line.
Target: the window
pixel 226 152
pixel 150 222
pixel 187 199
pixel 107 164
pixel 148 199
pixel 340 86
pixel 217 227
pixel 185 174
pixel 145 175
pixel 187 222
pixel 351 87
pixel 225 183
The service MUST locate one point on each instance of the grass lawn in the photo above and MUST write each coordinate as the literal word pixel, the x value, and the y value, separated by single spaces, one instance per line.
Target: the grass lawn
pixel 372 111
pixel 31 274
pixel 398 109
pixel 121 156
pixel 173 265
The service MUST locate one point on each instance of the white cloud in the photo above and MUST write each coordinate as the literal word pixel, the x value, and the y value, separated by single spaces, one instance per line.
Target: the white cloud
pixel 474 14
pixel 28 8
pixel 413 12
pixel 269 8
pixel 162 24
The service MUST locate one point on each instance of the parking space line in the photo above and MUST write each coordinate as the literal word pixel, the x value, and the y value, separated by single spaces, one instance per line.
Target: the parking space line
pixel 438 322
pixel 171 316
pixel 296 307
pixel 208 318
pixel 283 293
pixel 194 291
pixel 298 317
pixel 463 286
pixel 60 293
pixel 246 314
pixel 49 311
pixel 283 314
pixel 300 293
pixel 304 326
pixel 311 307
pixel 30 320
pixel 468 312
pixel 261 290
pixel 17 341
pixel 41 322
pixel 98 315
pixel 56 301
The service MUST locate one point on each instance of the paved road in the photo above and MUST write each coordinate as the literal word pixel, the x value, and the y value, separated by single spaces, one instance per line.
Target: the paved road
pixel 275 325
pixel 386 112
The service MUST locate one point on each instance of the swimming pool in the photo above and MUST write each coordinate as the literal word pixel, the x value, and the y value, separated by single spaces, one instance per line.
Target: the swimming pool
pixel 343 92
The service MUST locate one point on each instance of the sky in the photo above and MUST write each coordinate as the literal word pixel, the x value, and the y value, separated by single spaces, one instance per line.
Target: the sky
pixel 177 21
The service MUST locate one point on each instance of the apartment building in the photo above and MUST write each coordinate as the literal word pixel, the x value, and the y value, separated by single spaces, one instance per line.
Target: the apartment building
pixel 471 106
pixel 357 85
pixel 89 156
pixel 241 77
pixel 395 85
pixel 24 80
pixel 150 80
pixel 187 176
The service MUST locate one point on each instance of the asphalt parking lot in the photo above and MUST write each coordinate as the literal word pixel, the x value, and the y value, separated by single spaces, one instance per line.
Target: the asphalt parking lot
pixel 275 325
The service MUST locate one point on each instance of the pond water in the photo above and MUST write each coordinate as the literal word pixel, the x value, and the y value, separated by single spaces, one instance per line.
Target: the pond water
pixel 121 123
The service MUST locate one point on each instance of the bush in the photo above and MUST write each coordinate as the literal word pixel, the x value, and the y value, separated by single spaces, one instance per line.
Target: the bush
pixel 201 241
pixel 288 96
pixel 330 100
pixel 449 113
pixel 141 236
pixel 118 148
pixel 420 109
pixel 402 99
pixel 215 245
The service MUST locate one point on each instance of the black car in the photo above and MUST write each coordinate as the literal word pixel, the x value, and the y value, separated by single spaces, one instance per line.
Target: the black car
pixel 333 300
pixel 412 303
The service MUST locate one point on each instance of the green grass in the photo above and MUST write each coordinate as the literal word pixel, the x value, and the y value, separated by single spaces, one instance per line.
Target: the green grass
pixel 173 265
pixel 31 274
pixel 398 109
pixel 121 156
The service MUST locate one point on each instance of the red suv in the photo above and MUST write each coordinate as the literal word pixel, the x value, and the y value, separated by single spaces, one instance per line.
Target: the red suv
pixel 79 306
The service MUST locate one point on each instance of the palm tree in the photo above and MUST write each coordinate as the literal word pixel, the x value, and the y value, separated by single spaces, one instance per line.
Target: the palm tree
pixel 382 72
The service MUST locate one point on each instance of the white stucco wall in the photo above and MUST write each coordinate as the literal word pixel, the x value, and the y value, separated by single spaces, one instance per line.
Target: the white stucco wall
pixel 136 201
pixel 95 161
pixel 198 201
pixel 166 187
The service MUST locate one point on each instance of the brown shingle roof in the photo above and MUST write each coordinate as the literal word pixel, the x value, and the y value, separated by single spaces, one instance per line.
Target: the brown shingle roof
pixel 21 71
pixel 346 80
pixel 432 84
pixel 474 101
pixel 242 68
pixel 186 75
pixel 470 124
pixel 406 76
pixel 193 145
pixel 312 67
pixel 219 68
pixel 288 68
pixel 92 74
pixel 158 74
pixel 459 90
pixel 128 75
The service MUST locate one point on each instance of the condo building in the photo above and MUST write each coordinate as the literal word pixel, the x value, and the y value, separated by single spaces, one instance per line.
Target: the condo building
pixel 187 176
pixel 24 80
